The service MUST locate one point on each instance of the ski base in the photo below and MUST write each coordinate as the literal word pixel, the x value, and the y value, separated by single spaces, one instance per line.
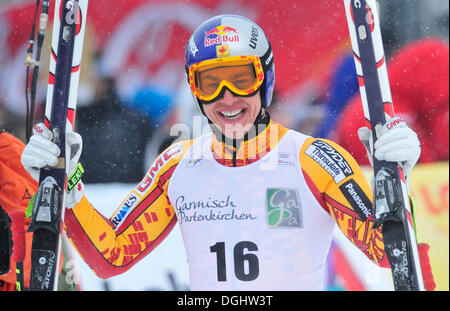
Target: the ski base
pixel 398 252
pixel 46 227
pixel 43 275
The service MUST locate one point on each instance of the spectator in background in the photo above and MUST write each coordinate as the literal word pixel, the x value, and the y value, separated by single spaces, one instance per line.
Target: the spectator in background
pixel 344 85
pixel 158 105
pixel 154 103
pixel 16 189
pixel 419 77
pixel 12 123
pixel 113 135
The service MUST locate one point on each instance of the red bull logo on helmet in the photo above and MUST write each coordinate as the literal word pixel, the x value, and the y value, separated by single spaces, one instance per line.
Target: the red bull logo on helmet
pixel 221 35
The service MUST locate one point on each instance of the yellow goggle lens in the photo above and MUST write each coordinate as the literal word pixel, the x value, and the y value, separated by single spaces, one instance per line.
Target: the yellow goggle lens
pixel 243 75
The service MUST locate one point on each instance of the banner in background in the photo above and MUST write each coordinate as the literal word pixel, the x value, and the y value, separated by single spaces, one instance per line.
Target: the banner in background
pixel 429 188
pixel 142 42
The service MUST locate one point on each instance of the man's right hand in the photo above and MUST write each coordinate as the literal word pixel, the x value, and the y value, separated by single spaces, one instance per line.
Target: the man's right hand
pixel 40 151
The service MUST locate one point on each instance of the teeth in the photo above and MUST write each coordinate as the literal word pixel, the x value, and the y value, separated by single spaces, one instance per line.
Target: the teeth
pixel 231 114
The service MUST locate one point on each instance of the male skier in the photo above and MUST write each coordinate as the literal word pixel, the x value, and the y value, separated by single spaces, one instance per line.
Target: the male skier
pixel 256 202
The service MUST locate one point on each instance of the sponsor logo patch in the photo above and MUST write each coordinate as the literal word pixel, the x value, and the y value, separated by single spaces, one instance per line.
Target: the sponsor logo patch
pixel 357 199
pixel 209 210
pixel 283 208
pixel 286 158
pixel 253 38
pixel 223 50
pixel 194 162
pixel 193 47
pixel 221 35
pixel 330 159
pixel 149 178
pixel 125 209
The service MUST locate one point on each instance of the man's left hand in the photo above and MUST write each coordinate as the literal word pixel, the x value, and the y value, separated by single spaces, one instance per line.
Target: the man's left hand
pixel 396 143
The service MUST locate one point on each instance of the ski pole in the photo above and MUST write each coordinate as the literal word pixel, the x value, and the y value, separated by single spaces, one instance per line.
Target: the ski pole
pixel 18 237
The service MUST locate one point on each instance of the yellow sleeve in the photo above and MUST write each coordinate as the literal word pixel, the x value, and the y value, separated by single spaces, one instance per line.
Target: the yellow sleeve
pixel 142 220
pixel 339 185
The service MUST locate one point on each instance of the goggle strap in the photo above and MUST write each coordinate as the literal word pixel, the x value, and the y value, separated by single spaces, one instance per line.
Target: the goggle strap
pixel 267 59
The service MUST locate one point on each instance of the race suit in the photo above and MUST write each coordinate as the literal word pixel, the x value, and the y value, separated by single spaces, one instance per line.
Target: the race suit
pixel 257 217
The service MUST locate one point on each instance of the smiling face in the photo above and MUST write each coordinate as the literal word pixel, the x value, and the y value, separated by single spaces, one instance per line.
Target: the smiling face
pixel 234 115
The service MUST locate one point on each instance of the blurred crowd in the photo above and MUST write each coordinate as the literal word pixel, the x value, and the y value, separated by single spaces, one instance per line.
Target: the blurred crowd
pixel 123 134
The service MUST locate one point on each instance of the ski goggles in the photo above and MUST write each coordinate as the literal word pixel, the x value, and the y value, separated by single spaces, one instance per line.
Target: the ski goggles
pixel 242 75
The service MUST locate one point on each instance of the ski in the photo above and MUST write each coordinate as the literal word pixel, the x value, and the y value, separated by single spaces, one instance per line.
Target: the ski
pixel 48 210
pixel 391 198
